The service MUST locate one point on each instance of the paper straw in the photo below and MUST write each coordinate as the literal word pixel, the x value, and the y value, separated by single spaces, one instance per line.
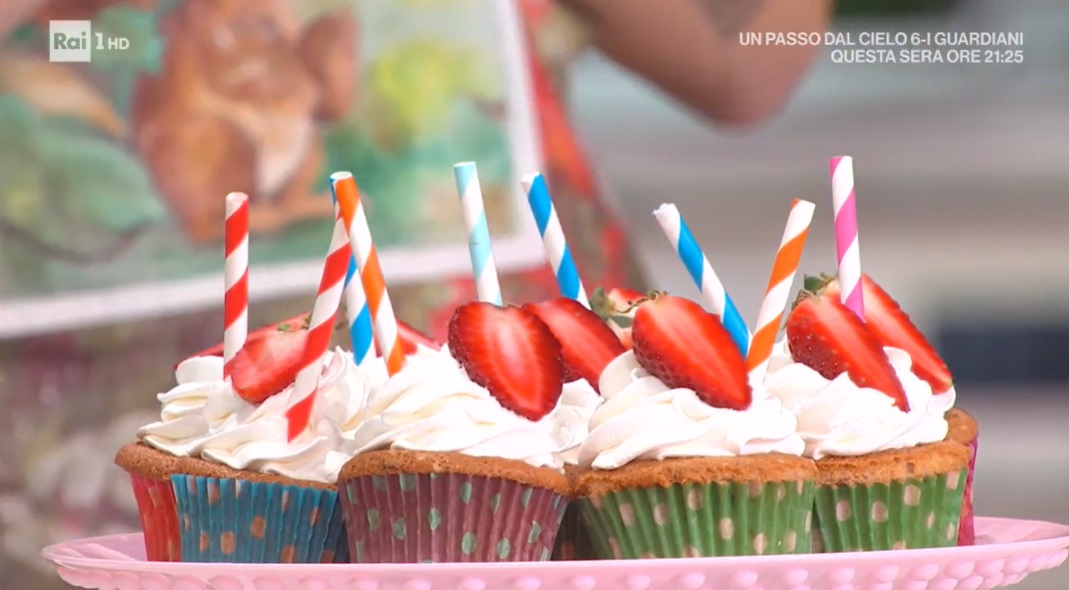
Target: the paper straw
pixel 712 290
pixel 482 254
pixel 847 245
pixel 359 316
pixel 778 292
pixel 558 255
pixel 320 329
pixel 236 271
pixel 371 277
pixel 357 312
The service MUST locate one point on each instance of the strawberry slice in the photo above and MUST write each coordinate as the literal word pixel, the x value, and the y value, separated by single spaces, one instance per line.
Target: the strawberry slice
pixel 292 323
pixel 411 339
pixel 588 344
pixel 892 327
pixel 510 352
pixel 616 308
pixel 269 361
pixel 826 336
pixel 685 346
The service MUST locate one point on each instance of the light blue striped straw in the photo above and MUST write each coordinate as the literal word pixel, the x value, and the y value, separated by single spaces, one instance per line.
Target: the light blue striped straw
pixel 482 252
pixel 713 292
pixel 357 311
pixel 558 255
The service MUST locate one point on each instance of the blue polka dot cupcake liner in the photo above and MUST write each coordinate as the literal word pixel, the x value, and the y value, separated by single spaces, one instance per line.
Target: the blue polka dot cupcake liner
pixel 444 517
pixel 701 520
pixel 914 513
pixel 233 520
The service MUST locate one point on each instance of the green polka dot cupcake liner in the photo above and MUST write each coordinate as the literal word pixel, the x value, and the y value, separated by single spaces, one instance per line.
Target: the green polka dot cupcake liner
pixel 241 521
pixel 443 518
pixel 911 514
pixel 701 520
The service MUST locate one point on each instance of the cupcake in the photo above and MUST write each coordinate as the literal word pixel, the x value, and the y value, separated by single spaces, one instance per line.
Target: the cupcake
pixel 242 491
pixel 588 345
pixel 685 457
pixel 459 458
pixel 888 480
pixel 150 475
pixel 892 327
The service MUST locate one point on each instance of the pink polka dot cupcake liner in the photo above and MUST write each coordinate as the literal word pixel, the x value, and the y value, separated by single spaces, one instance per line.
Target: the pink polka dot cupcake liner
pixel 966 529
pixel 701 520
pixel 443 517
pixel 910 514
pixel 158 512
pixel 242 521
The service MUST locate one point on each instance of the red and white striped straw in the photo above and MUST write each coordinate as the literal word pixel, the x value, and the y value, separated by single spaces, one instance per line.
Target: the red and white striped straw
pixel 847 244
pixel 321 327
pixel 236 271
pixel 778 292
pixel 371 277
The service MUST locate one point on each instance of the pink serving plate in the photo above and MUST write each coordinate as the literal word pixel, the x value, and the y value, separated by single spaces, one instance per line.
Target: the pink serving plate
pixel 1007 550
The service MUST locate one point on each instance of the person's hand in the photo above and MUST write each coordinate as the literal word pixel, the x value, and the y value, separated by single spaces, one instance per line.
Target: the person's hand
pixel 691 49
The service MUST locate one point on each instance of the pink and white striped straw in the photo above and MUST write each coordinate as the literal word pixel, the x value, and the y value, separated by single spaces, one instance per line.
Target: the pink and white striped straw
pixel 321 327
pixel 236 276
pixel 847 245
pixel 778 292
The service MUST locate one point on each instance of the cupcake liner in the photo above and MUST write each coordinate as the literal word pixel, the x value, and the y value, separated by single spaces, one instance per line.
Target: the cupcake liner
pixel 159 518
pixel 911 514
pixel 966 529
pixel 701 520
pixel 241 521
pixel 442 517
pixel 573 540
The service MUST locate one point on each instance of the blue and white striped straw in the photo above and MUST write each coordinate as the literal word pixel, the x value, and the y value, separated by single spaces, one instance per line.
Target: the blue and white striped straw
pixel 482 253
pixel 357 312
pixel 713 292
pixel 558 255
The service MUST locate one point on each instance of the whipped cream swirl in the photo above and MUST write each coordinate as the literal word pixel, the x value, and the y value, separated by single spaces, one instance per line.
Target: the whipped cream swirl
pixel 644 419
pixel 432 405
pixel 943 402
pixel 836 417
pixel 572 416
pixel 204 417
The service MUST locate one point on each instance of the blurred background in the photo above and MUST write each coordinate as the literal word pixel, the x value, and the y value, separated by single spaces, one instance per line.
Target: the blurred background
pixel 963 195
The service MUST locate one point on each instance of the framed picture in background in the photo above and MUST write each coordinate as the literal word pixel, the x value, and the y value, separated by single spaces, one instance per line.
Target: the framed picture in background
pixel 113 171
pixel 113 174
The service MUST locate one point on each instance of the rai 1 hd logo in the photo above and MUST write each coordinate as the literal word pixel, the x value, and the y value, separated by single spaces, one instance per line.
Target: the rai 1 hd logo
pixel 74 41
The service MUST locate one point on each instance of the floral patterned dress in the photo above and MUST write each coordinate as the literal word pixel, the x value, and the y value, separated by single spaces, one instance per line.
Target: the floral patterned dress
pixel 71 399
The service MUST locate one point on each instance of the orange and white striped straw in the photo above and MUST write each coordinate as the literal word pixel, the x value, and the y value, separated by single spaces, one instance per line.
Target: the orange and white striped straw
pixel 367 263
pixel 236 277
pixel 320 329
pixel 778 292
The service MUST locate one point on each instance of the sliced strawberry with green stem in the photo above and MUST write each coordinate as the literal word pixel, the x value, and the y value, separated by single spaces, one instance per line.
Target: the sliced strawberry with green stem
pixel 293 323
pixel 616 308
pixel 587 344
pixel 269 361
pixel 684 346
pixel 511 353
pixel 893 327
pixel 829 338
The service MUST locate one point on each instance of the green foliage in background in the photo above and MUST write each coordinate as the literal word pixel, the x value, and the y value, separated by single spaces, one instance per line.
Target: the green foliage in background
pixel 68 186
pixel 412 86
pixel 139 26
